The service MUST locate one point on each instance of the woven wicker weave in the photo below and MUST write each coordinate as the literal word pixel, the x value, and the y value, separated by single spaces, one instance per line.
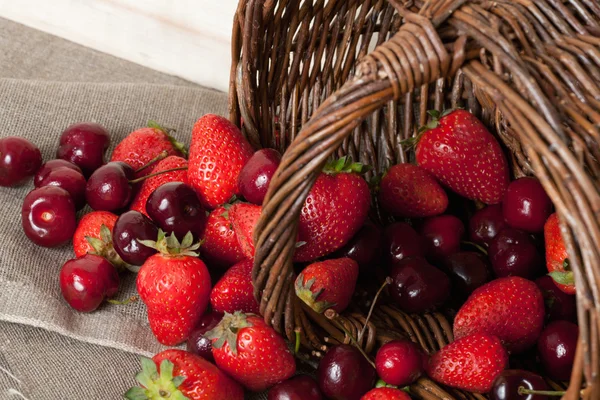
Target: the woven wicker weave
pixel 318 78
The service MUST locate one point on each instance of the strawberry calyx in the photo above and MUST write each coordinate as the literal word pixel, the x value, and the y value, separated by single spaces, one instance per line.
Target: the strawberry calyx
pixel 381 383
pixel 434 120
pixel 170 245
pixel 563 275
pixel 227 330
pixel 305 293
pixel 345 165
pixel 103 247
pixel 155 385
pixel 179 146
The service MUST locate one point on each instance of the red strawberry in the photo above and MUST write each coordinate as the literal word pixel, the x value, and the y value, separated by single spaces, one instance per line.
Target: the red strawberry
pixel 385 393
pixel 251 352
pixel 175 285
pixel 234 291
pixel 149 185
pixel 408 190
pixel 335 209
pixel 94 235
pixel 510 308
pixel 557 259
pixel 470 363
pixel 328 284
pixel 220 245
pixel 183 375
pixel 244 217
pixel 460 152
pixel 144 144
pixel 217 154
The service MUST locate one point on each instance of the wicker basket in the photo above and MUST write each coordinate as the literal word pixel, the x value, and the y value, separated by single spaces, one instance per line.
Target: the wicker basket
pixel 318 78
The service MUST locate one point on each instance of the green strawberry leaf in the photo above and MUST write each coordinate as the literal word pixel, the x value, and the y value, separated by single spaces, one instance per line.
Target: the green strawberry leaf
pixel 170 245
pixel 227 330
pixel 566 264
pixel 156 385
pixel 136 393
pixel 563 277
pixel 168 131
pixel 305 292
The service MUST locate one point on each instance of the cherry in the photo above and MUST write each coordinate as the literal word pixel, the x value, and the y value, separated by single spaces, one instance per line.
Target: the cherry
pixel 526 205
pixel 86 281
pixel 514 253
pixel 175 207
pixel 400 240
pixel 19 160
pixel 364 247
pixel 84 145
pixel 108 189
pixel 556 348
pixel 199 344
pixel 256 175
pixel 559 305
pixel 417 286
pixel 48 216
pixel 344 373
pixel 400 362
pixel 468 270
pixel 299 387
pixel 51 165
pixel 506 385
pixel 442 235
pixel 70 180
pixel 486 223
pixel 129 228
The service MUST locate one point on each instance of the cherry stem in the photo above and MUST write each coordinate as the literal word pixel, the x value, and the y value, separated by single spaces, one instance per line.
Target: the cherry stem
pixel 130 300
pixel 160 156
pixel 523 390
pixel 477 246
pixel 388 281
pixel 156 174
pixel 332 315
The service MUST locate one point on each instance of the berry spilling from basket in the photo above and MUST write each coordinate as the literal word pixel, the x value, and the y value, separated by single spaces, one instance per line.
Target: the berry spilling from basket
pixel 459 239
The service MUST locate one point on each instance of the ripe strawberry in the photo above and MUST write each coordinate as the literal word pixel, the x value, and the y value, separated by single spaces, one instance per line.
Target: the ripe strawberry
pixel 328 284
pixel 149 185
pixel 557 259
pixel 385 393
pixel 408 190
pixel 460 152
pixel 217 154
pixel 94 235
pixel 144 144
pixel 335 209
pixel 183 375
pixel 244 217
pixel 251 352
pixel 470 363
pixel 175 285
pixel 220 245
pixel 510 308
pixel 234 291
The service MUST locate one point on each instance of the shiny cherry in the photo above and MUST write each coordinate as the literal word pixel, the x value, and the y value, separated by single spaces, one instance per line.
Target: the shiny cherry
pixel 86 281
pixel 506 385
pixel 50 166
pixel 526 205
pixel 400 240
pixel 467 270
pixel 129 228
pixel 556 349
pixel 442 234
pixel 69 179
pixel 256 175
pixel 344 373
pixel 175 207
pixel 199 344
pixel 19 160
pixel 299 387
pixel 418 286
pixel 514 253
pixel 108 189
pixel 84 145
pixel 400 362
pixel 486 223
pixel 48 216
pixel 559 305
pixel 364 247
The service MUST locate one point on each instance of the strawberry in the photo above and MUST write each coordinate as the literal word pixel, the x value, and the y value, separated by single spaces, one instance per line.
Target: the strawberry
pixel 460 152
pixel 335 209
pixel 510 308
pixel 217 154
pixel 220 245
pixel 144 144
pixel 94 235
pixel 250 351
pixel 328 284
pixel 407 190
pixel 557 259
pixel 175 285
pixel 244 217
pixel 183 375
pixel 234 291
pixel 470 363
pixel 385 393
pixel 152 183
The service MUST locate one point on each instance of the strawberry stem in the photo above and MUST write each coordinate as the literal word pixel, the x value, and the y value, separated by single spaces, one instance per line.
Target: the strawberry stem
pixel 388 281
pixel 156 174
pixel 160 156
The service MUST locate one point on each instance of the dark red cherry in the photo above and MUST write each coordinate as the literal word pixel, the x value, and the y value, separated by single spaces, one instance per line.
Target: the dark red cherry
pixel 19 160
pixel 556 349
pixel 255 176
pixel 400 362
pixel 526 205
pixel 199 344
pixel 442 234
pixel 175 207
pixel 364 247
pixel 129 228
pixel 84 145
pixel 514 253
pixel 70 180
pixel 506 385
pixel 108 189
pixel 400 240
pixel 86 281
pixel 299 387
pixel 48 216
pixel 486 223
pixel 344 373
pixel 467 270
pixel 51 165
pixel 418 286
pixel 559 305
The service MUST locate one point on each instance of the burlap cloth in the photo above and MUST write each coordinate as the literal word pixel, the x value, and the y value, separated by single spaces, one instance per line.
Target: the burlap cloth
pixel 48 351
